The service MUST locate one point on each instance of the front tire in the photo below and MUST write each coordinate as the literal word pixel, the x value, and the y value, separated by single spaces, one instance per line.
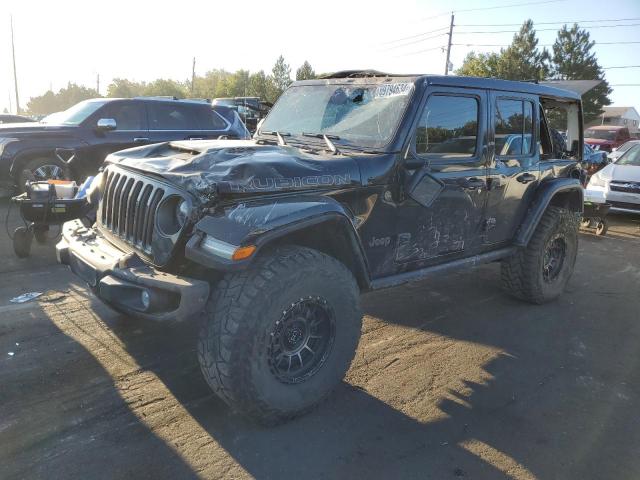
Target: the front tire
pixel 540 272
pixel 280 336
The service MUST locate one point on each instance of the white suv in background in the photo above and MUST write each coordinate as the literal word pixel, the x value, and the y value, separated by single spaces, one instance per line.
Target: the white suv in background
pixel 618 183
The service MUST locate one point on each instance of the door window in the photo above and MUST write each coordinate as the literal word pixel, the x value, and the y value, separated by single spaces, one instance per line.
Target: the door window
pixel 514 127
pixel 128 116
pixel 169 116
pixel 448 127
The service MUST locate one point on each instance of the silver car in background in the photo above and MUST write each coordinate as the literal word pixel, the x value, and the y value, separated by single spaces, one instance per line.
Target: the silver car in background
pixel 618 183
pixel 617 152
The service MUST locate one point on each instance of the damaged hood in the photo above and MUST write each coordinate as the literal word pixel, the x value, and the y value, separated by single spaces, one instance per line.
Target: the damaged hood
pixel 226 167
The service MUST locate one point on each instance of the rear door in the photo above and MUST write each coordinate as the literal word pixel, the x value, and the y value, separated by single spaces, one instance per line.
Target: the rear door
pixel 173 120
pixel 514 156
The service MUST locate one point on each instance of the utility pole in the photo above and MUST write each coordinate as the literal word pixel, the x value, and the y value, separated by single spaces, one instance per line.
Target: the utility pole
pixel 193 75
pixel 446 67
pixel 98 83
pixel 15 75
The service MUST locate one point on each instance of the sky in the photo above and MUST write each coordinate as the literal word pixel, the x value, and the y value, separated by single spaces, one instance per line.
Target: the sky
pixel 63 41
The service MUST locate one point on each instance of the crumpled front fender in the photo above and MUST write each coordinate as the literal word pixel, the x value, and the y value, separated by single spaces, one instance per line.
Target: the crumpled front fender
pixel 260 222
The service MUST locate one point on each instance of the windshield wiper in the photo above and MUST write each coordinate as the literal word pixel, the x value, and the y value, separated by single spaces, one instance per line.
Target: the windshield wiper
pixel 327 139
pixel 280 136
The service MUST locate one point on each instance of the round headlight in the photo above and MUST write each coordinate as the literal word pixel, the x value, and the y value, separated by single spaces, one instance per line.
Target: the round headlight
pixel 182 212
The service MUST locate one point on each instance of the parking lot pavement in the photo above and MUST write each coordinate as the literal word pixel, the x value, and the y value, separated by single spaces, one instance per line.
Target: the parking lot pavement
pixel 452 379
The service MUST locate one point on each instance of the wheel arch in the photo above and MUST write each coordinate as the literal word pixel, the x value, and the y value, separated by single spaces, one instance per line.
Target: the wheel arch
pixel 565 193
pixel 317 222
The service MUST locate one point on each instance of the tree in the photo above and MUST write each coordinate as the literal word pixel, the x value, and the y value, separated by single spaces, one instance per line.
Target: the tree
pixel 165 87
pixel 574 60
pixel 123 88
pixel 260 85
pixel 55 102
pixel 281 74
pixel 480 65
pixel 522 60
pixel 305 72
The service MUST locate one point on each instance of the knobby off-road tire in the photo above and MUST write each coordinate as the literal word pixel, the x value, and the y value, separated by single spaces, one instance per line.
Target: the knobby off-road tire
pixel 255 320
pixel 539 272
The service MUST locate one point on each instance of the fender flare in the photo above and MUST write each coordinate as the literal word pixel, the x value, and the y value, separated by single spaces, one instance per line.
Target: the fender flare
pixel 265 222
pixel 563 192
pixel 23 157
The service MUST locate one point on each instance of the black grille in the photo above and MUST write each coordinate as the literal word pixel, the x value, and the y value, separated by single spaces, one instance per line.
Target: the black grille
pixel 128 208
pixel 628 187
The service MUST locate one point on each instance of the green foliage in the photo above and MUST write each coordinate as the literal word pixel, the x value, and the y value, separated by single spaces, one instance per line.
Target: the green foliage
pixel 281 73
pixel 165 87
pixel 574 60
pixel 213 84
pixel 519 61
pixel 123 88
pixel 55 102
pixel 305 72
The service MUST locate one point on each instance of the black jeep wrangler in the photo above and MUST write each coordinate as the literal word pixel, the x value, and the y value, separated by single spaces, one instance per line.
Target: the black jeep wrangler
pixel 357 181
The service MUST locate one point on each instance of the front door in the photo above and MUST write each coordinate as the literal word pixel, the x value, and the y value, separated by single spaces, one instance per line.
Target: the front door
pixel 444 219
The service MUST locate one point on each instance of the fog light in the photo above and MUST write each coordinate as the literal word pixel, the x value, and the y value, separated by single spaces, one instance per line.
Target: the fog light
pixel 145 298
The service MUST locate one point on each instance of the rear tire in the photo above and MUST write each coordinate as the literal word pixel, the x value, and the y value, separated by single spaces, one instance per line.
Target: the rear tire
pixel 539 272
pixel 279 337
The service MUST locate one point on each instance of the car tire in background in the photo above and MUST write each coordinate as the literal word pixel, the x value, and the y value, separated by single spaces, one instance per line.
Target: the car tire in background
pixel 43 168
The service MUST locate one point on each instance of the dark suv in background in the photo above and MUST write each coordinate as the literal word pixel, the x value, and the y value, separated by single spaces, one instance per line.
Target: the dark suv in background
pixel 77 142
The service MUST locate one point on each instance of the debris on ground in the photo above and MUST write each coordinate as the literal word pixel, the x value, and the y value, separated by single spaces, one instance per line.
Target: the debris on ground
pixel 49 296
pixel 25 297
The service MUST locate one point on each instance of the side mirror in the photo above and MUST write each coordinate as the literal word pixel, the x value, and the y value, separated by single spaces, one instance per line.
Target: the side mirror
pixel 106 124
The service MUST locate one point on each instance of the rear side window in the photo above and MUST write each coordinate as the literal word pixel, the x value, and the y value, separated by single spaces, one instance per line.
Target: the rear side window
pixel 514 127
pixel 209 119
pixel 448 127
pixel 169 116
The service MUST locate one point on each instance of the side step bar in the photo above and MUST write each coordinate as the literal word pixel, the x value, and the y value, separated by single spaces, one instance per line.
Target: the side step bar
pixel 415 275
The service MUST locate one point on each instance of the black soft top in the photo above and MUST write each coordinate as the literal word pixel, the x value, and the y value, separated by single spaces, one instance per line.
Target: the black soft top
pixel 374 76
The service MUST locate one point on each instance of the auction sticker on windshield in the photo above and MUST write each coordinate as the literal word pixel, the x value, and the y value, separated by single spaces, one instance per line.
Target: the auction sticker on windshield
pixel 393 90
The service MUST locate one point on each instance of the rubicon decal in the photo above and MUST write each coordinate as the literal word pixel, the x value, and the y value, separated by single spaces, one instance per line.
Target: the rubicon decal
pixel 284 183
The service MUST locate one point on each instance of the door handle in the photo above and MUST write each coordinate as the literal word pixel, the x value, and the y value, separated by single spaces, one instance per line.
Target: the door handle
pixel 473 183
pixel 141 139
pixel 525 178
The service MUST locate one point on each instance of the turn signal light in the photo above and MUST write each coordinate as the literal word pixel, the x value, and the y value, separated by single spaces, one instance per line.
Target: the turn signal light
pixel 243 252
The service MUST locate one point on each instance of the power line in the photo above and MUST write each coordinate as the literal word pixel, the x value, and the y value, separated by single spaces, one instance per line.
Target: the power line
pixel 442 47
pixel 625 85
pixel 540 45
pixel 510 5
pixel 414 36
pixel 507 6
pixel 414 41
pixel 553 29
pixel 621 66
pixel 546 23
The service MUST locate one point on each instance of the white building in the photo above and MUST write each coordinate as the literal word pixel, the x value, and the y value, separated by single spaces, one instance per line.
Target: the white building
pixel 622 116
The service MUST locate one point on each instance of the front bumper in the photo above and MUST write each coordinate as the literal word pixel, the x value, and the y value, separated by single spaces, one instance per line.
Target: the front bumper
pixel 124 281
pixel 620 201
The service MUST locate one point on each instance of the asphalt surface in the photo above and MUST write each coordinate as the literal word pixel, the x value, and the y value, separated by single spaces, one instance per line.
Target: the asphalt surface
pixel 452 379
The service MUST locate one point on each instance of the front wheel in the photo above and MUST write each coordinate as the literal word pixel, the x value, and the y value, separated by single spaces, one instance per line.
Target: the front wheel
pixel 41 169
pixel 280 336
pixel 539 272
